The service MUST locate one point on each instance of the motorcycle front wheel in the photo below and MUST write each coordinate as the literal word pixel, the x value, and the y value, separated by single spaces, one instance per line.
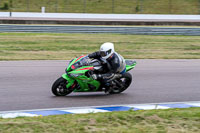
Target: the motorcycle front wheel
pixel 59 87
pixel 122 84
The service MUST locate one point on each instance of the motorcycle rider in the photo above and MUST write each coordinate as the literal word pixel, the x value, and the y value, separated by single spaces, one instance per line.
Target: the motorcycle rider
pixel 113 64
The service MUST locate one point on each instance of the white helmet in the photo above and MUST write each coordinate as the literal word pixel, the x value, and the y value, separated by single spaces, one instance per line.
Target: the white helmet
pixel 106 50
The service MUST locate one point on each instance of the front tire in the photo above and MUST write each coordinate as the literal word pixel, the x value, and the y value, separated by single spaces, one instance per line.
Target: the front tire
pixel 59 87
pixel 125 82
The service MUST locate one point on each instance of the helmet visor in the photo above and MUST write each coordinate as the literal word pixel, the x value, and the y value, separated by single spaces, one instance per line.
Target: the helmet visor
pixel 105 53
pixel 102 53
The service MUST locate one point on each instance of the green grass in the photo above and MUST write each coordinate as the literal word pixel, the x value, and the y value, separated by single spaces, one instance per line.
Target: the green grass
pixel 152 121
pixel 105 6
pixel 53 46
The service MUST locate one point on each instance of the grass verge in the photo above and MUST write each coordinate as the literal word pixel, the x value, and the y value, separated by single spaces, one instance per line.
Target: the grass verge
pixel 104 6
pixel 56 46
pixel 160 121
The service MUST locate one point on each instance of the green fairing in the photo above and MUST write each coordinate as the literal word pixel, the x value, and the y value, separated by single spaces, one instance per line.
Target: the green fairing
pixel 129 67
pixel 69 66
pixel 70 80
pixel 75 60
pixel 83 81
pixel 80 71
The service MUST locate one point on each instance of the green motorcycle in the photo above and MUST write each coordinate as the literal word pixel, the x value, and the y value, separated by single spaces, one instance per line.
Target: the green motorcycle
pixel 78 78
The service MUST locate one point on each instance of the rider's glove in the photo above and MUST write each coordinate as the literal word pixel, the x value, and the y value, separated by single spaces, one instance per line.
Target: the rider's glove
pixel 96 76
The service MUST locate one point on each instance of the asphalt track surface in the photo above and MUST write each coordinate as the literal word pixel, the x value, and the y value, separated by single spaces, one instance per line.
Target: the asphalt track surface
pixel 27 85
pixel 102 29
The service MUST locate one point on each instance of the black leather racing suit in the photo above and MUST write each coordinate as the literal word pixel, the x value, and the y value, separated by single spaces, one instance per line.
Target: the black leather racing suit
pixel 111 66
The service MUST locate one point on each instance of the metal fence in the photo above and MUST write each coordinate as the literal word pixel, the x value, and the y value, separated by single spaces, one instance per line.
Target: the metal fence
pixel 104 6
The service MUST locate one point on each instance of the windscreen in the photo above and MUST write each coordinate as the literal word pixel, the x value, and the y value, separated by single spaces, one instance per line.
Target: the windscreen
pixel 83 62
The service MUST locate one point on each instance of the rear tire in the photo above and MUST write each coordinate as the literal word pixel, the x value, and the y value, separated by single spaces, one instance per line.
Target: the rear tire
pixel 125 80
pixel 59 87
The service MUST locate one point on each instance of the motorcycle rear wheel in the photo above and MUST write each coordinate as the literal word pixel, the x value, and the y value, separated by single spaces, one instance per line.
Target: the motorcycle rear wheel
pixel 125 80
pixel 59 87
